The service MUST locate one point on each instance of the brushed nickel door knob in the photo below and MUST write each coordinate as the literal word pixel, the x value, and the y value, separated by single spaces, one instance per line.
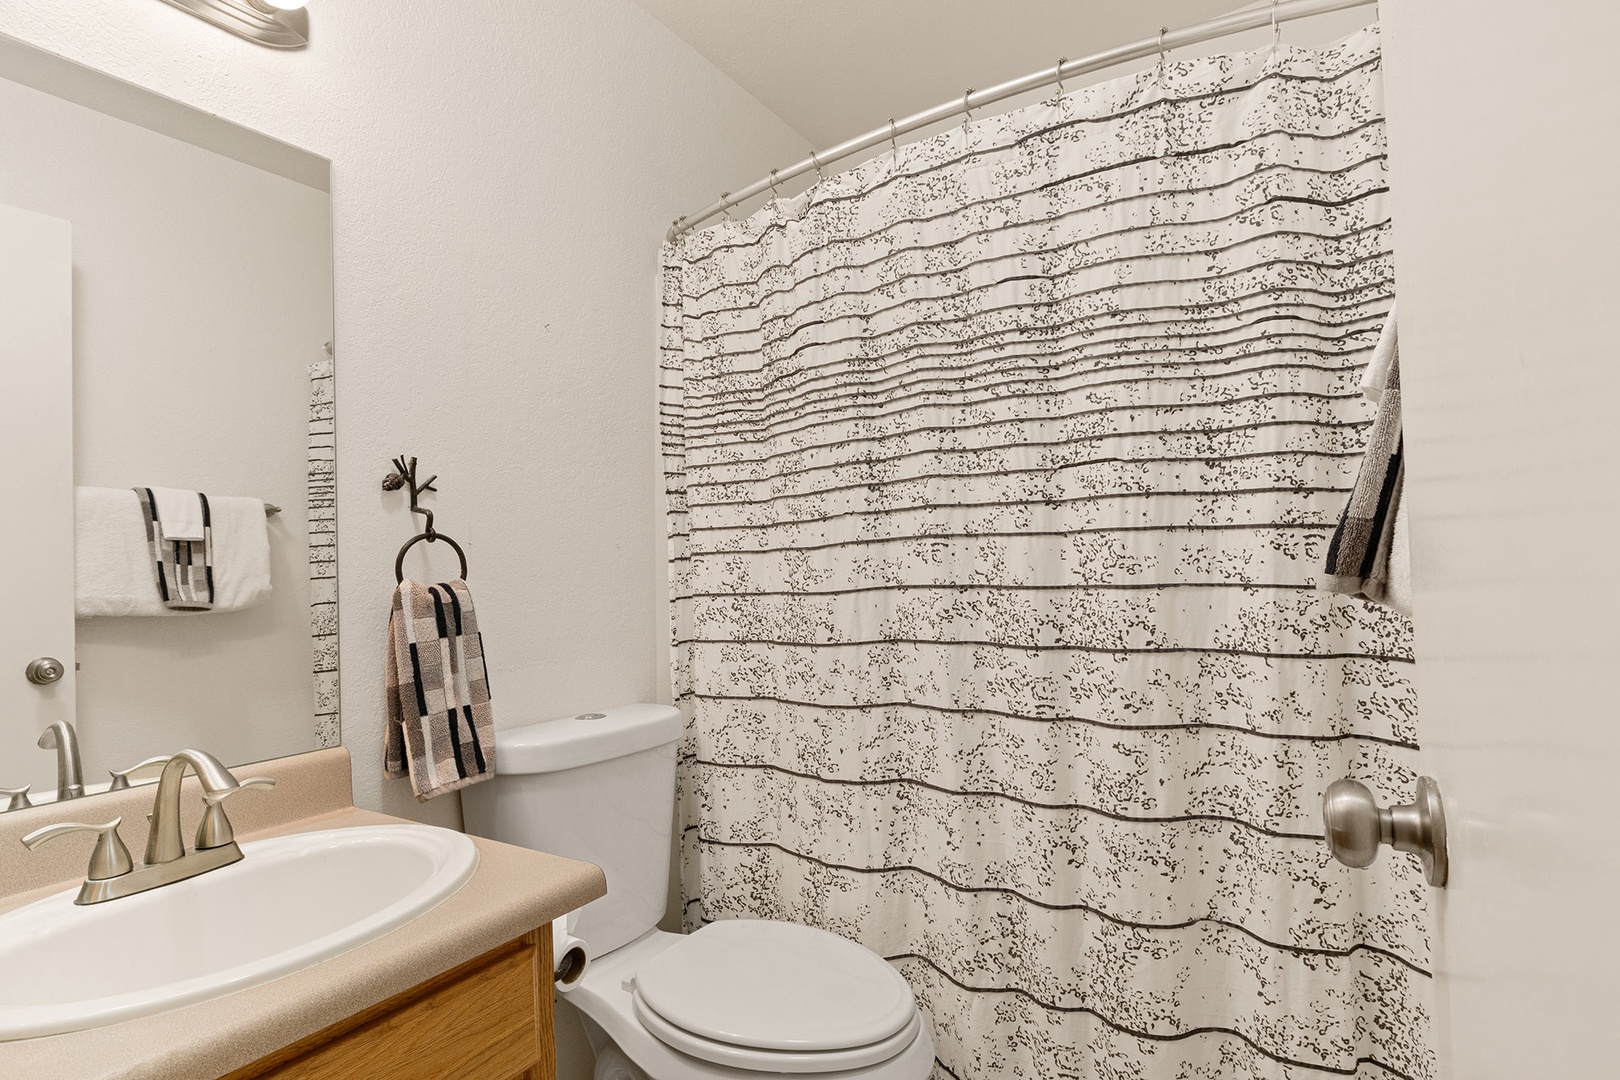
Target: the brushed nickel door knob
pixel 44 670
pixel 1356 826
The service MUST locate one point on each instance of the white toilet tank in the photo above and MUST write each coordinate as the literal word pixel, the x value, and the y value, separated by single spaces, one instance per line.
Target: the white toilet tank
pixel 599 787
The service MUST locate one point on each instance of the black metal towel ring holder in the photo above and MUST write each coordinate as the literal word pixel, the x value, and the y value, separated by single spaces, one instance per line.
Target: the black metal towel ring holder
pixel 405 473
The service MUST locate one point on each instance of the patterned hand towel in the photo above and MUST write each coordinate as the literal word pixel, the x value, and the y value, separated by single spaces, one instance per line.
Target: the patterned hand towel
pixel 184 568
pixel 440 726
pixel 1368 556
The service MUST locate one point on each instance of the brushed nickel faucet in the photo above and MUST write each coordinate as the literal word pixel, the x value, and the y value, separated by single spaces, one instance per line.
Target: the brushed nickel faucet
pixel 61 737
pixel 113 873
pixel 164 843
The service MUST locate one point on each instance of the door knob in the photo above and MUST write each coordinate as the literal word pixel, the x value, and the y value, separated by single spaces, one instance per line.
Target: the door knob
pixel 1357 826
pixel 44 670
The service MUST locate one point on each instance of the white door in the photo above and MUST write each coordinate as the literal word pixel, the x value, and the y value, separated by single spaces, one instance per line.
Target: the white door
pixel 1504 120
pixel 36 449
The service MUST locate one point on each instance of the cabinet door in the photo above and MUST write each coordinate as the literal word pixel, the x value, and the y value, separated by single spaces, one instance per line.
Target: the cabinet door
pixel 489 1019
pixel 36 447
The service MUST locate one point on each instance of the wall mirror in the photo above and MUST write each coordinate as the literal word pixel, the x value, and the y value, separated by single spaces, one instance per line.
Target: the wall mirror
pixel 165 322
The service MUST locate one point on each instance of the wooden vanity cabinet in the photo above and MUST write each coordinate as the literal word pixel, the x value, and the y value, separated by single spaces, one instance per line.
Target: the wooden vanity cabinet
pixel 489 1019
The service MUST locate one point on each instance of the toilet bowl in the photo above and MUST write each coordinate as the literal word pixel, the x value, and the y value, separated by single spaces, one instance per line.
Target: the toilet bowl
pixel 735 1000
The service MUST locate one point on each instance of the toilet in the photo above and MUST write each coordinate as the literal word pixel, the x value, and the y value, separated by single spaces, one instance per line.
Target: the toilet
pixel 734 1000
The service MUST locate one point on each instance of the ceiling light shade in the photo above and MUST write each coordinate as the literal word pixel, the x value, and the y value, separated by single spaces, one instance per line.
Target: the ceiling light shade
pixel 276 24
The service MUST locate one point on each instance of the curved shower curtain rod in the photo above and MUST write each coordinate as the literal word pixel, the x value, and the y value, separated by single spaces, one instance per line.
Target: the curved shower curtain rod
pixel 1270 15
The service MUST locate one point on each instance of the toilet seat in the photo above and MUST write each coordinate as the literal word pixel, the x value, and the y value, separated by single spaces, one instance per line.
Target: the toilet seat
pixel 776 1061
pixel 775 997
pixel 606 1001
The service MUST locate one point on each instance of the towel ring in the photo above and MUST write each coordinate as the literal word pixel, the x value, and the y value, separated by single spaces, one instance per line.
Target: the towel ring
pixel 432 538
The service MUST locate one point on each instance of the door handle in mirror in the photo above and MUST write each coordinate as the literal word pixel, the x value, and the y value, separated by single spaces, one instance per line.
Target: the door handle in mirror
pixel 1357 826
pixel 44 670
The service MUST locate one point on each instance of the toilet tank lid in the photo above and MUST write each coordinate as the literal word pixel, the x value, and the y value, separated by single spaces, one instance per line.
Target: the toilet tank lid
pixel 586 738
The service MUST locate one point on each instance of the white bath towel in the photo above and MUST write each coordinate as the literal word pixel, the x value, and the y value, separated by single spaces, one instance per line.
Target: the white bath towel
pixel 180 511
pixel 113 563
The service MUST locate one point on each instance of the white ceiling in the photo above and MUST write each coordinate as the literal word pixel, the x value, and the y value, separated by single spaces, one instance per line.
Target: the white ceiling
pixel 837 68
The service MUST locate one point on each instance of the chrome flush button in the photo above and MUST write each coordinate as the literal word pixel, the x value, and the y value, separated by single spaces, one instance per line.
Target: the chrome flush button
pixel 591 716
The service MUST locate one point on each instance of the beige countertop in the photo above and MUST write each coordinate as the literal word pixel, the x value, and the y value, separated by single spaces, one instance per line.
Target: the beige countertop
pixel 513 891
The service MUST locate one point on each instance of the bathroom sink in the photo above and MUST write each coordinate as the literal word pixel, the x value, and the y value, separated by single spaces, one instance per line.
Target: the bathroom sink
pixel 291 902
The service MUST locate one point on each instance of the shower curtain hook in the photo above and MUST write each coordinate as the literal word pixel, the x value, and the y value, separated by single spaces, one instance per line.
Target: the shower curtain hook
pixel 1162 31
pixel 1276 31
pixel 817 163
pixel 775 194
pixel 894 143
pixel 1059 73
pixel 725 207
pixel 967 112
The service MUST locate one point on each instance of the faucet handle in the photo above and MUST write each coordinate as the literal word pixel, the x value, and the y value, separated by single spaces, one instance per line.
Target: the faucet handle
pixel 217 797
pixel 120 777
pixel 215 829
pixel 16 797
pixel 109 859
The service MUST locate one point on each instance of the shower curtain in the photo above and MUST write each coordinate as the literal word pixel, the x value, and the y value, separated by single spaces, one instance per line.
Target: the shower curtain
pixel 998 479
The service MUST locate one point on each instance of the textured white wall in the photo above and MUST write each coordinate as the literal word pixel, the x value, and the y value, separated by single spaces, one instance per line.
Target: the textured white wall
pixel 502 176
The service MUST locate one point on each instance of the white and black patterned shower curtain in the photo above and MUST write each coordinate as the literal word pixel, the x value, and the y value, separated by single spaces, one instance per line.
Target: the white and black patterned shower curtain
pixel 998 481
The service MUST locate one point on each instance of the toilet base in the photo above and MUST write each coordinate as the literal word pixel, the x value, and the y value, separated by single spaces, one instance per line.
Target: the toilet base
pixel 613 1064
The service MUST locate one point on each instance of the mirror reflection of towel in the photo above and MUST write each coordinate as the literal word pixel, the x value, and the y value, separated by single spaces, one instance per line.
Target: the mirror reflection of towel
pixel 184 513
pixel 113 567
pixel 183 564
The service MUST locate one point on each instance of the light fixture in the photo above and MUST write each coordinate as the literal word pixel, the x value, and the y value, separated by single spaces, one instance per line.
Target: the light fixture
pixel 277 24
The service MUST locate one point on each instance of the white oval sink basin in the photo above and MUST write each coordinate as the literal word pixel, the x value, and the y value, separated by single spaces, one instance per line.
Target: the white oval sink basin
pixel 291 902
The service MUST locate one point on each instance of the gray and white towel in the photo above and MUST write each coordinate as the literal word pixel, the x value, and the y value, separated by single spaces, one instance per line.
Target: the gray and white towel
pixel 115 567
pixel 183 564
pixel 1370 556
pixel 441 728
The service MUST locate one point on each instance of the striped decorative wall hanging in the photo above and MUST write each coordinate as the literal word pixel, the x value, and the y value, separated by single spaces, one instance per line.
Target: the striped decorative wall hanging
pixel 999 476
pixel 322 492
